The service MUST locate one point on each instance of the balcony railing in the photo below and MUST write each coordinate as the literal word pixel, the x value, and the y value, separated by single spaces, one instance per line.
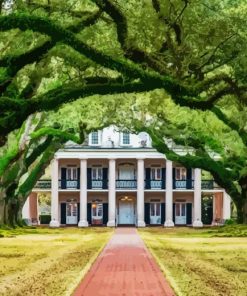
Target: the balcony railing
pixel 43 184
pixel 97 184
pixel 126 184
pixel 68 184
pixel 208 184
pixel 154 184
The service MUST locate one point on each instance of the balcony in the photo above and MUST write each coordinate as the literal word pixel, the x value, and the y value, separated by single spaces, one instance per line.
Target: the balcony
pixel 68 184
pixel 43 184
pixel 208 184
pixel 98 184
pixel 155 184
pixel 126 184
pixel 189 184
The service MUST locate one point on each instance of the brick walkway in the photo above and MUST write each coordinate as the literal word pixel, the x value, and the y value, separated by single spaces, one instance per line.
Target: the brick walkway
pixel 126 268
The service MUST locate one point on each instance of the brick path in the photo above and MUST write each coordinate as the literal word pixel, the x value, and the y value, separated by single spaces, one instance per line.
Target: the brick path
pixel 126 268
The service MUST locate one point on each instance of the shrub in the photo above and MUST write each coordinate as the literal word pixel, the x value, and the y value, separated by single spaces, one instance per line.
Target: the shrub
pixel 45 219
pixel 230 222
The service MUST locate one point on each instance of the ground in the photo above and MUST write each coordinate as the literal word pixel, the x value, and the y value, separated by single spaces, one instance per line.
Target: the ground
pixel 47 261
pixel 201 262
pixel 211 261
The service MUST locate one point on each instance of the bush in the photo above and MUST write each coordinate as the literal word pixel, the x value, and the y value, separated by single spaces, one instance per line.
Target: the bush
pixel 45 219
pixel 230 222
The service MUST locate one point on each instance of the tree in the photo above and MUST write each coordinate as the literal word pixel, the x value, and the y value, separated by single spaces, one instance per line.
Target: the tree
pixel 23 161
pixel 187 49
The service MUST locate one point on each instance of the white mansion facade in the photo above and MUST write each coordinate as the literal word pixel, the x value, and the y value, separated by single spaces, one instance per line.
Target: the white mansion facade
pixel 117 178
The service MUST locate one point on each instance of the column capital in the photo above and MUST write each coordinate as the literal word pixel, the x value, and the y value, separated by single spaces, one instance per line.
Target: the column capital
pixel 83 158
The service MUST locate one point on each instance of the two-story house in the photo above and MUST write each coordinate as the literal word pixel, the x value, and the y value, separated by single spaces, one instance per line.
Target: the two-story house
pixel 117 178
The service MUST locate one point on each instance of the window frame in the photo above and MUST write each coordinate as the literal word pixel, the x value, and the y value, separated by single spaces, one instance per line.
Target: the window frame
pixel 123 134
pixel 91 138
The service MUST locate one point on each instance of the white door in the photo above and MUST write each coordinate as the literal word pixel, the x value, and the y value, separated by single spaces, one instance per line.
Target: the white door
pixel 180 213
pixel 97 213
pixel 71 213
pixel 155 213
pixel 126 212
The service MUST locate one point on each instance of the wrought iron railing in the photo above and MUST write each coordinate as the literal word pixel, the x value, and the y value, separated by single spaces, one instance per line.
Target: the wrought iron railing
pixel 43 184
pixel 208 184
pixel 154 184
pixel 126 184
pixel 180 184
pixel 98 184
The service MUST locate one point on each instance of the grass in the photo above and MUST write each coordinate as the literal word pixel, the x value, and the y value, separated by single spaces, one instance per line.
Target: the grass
pixel 207 262
pixel 46 261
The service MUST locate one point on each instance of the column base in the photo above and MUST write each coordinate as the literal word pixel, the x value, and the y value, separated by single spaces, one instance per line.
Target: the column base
pixel 169 223
pixel 111 223
pixel 54 224
pixel 83 223
pixel 141 223
pixel 197 223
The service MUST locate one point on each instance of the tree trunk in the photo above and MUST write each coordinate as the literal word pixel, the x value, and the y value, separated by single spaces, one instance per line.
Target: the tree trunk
pixel 1 212
pixel 241 206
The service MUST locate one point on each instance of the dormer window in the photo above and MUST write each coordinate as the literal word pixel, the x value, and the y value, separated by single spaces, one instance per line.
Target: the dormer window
pixel 94 138
pixel 125 138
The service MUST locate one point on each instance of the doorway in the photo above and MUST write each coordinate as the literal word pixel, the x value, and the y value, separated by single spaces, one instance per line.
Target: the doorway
pixel 126 211
pixel 155 213
pixel 180 213
pixel 71 213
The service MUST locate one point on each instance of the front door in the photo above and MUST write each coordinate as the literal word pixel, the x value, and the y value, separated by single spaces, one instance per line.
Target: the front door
pixel 155 215
pixel 126 212
pixel 71 213
pixel 180 213
pixel 97 213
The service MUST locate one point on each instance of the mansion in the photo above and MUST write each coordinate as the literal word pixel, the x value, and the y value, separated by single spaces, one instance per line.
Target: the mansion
pixel 117 178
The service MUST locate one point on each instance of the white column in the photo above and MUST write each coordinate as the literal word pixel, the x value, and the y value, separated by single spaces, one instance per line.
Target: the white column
pixel 197 219
pixel 26 212
pixel 226 206
pixel 54 194
pixel 140 193
pixel 83 194
pixel 112 194
pixel 169 195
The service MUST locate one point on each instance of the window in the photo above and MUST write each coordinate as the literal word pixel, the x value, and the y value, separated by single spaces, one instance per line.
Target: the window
pixel 181 174
pixel 156 174
pixel 125 138
pixel 95 138
pixel 72 173
pixel 97 173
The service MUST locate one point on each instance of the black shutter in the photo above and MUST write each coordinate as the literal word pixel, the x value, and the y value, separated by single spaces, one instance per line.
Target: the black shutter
pixel 189 213
pixel 148 176
pixel 63 178
pixel 163 184
pixel 147 213
pixel 189 177
pixel 173 213
pixel 105 213
pixel 105 178
pixel 89 178
pixel 89 213
pixel 163 213
pixel 63 213
pixel 174 177
pixel 78 211
pixel 78 178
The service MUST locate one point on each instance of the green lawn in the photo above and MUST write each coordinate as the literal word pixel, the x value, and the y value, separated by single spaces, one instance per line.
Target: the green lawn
pixel 201 262
pixel 47 261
